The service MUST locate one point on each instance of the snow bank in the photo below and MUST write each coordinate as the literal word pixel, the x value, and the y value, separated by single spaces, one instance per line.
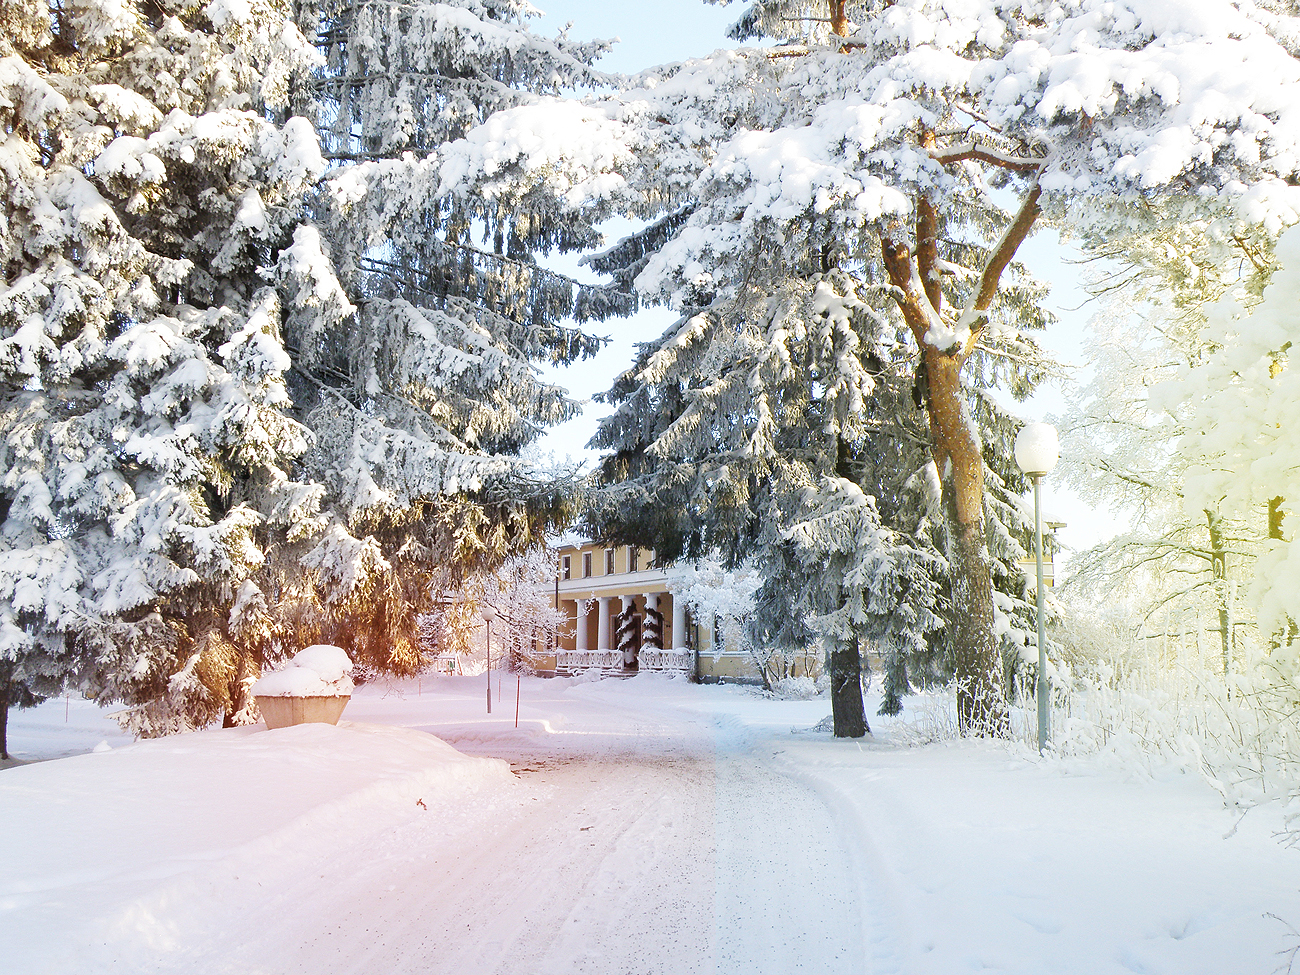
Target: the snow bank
pixel 150 848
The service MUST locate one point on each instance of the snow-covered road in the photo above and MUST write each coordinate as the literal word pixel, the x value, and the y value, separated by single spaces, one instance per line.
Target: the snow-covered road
pixel 654 842
pixel 626 828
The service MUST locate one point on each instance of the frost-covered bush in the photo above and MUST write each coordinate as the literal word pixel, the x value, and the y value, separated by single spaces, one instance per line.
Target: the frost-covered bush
pixel 801 688
pixel 521 591
pixel 1142 713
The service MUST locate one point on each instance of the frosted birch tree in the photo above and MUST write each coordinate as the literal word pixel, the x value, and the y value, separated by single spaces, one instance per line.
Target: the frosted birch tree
pixel 1240 444
pixel 1127 437
pixel 1125 453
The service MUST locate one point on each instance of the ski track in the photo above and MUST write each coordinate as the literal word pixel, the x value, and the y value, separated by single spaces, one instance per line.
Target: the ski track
pixel 674 854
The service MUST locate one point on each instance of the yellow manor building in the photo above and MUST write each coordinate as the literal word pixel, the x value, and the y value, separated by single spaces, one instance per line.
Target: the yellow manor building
pixel 607 590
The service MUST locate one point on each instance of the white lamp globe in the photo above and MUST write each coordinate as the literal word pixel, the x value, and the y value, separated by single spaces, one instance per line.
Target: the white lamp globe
pixel 1037 448
pixel 489 613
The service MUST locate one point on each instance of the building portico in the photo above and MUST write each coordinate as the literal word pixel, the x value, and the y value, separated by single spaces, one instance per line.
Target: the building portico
pixel 600 584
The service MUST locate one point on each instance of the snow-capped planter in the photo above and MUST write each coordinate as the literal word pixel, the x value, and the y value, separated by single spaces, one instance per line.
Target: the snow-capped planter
pixel 314 688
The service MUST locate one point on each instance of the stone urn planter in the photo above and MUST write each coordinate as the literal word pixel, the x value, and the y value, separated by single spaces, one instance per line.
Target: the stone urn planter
pixel 314 688
pixel 281 712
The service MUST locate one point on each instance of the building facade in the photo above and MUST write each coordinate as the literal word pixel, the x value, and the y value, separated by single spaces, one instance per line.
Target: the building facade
pixel 622 618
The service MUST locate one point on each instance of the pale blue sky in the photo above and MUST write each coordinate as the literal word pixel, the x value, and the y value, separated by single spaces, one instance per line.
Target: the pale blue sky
pixel 650 33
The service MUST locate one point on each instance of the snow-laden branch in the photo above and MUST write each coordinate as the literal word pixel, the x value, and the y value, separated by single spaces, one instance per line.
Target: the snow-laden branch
pixel 1003 160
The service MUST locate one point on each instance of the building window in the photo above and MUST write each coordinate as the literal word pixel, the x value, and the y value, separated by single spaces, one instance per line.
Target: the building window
pixel 609 561
pixel 633 557
pixel 564 571
pixel 586 564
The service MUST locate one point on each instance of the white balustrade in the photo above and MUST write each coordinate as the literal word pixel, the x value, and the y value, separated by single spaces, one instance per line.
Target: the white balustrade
pixel 575 660
pixel 666 660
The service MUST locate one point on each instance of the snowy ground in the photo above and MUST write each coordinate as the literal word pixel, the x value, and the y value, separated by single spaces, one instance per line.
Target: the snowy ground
pixel 634 827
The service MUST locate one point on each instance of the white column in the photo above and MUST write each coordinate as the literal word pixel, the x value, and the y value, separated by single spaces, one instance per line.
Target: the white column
pixel 580 623
pixel 679 623
pixel 602 628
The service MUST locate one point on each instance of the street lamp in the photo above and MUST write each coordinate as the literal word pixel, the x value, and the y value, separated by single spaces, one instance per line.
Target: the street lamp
pixel 1037 450
pixel 489 614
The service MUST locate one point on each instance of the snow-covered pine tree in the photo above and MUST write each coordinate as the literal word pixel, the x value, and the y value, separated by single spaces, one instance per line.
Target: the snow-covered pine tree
pixel 789 348
pixel 897 121
pixel 147 458
pixel 422 399
pixel 652 629
pixel 627 632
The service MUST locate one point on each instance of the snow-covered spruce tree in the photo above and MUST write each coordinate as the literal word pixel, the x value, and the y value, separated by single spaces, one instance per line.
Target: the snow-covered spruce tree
pixel 422 400
pixel 889 121
pixel 757 436
pixel 147 459
pixel 791 366
pixel 837 577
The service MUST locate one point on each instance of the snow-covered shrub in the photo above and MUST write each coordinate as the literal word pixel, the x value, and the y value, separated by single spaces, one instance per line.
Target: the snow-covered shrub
pixel 521 591
pixel 800 688
pixel 1145 714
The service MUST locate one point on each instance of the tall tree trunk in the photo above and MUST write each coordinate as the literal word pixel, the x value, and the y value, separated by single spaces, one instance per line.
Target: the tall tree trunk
pixel 1275 516
pixel 1219 566
pixel 846 691
pixel 4 719
pixel 972 641
pixel 915 274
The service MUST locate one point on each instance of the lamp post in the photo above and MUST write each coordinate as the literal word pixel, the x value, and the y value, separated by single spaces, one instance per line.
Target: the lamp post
pixel 489 614
pixel 1037 450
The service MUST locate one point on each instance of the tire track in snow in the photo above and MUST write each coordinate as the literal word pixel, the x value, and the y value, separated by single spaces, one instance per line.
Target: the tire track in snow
pixel 778 852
